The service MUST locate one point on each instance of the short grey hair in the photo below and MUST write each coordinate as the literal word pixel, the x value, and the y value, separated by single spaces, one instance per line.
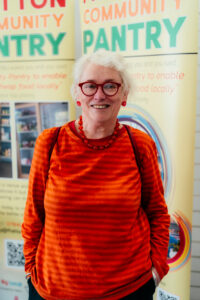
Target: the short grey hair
pixel 102 58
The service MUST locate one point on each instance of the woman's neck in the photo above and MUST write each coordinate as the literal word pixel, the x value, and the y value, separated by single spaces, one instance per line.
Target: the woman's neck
pixel 96 130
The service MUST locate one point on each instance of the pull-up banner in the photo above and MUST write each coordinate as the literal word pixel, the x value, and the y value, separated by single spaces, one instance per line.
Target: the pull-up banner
pixel 36 59
pixel 36 49
pixel 159 40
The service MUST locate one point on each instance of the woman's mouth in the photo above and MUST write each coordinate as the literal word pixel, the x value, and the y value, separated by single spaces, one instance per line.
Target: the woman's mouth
pixel 100 106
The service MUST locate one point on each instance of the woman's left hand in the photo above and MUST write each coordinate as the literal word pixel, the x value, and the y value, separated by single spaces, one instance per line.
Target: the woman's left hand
pixel 156 276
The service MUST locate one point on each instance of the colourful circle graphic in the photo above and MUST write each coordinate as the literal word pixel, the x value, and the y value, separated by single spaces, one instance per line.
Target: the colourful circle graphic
pixel 179 249
pixel 140 119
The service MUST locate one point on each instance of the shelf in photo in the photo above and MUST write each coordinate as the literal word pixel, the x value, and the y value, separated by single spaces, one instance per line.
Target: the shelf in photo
pixel 27 131
pixel 4 125
pixel 25 117
pixel 5 158
pixel 26 148
pixel 5 141
pixel 4 115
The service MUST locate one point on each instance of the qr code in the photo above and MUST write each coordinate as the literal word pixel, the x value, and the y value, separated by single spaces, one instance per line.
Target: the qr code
pixel 14 253
pixel 163 295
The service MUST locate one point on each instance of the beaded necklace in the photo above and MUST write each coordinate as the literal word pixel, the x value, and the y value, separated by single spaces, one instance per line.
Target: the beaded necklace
pixel 97 147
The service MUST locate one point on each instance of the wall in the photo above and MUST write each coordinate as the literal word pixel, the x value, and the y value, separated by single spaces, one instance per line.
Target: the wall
pixel 195 268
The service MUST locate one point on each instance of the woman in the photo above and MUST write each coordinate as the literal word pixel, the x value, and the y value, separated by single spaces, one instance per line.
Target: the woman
pixel 89 232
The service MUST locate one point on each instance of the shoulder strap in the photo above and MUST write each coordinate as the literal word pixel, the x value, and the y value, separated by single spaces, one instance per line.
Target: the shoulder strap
pixel 134 146
pixel 55 137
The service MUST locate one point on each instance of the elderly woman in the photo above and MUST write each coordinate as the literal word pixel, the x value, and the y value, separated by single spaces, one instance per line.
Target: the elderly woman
pixel 95 225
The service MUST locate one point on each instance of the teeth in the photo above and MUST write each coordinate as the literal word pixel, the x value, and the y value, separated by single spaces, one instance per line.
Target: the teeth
pixel 100 106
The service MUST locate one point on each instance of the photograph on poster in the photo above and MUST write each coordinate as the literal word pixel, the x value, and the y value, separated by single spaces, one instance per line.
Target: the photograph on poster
pixel 5 141
pixel 31 119
pixel 179 250
pixel 174 240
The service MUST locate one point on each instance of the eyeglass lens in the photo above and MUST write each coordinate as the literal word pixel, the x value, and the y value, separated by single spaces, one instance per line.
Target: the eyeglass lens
pixel 109 88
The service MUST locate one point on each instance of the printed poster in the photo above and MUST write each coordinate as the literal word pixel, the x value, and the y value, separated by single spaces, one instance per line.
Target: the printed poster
pixel 36 59
pixel 158 38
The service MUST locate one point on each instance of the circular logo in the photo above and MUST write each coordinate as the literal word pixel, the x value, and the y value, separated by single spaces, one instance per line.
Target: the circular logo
pixel 179 249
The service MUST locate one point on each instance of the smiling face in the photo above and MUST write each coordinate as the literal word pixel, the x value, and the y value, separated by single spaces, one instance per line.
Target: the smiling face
pixel 100 108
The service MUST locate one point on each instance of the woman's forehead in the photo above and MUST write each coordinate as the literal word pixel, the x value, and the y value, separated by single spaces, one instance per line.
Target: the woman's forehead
pixel 95 73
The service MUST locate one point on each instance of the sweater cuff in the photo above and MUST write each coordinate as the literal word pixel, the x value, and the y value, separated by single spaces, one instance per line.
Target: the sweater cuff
pixel 161 268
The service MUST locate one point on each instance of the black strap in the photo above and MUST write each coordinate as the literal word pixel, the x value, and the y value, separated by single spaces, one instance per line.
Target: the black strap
pixel 55 137
pixel 134 146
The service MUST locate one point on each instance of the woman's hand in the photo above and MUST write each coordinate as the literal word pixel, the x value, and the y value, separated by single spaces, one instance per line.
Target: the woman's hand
pixel 156 276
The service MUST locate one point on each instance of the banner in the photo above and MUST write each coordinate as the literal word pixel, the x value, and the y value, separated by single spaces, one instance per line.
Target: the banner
pixel 159 40
pixel 36 58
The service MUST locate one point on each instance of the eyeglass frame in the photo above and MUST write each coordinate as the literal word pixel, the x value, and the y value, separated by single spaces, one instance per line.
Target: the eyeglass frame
pixel 100 85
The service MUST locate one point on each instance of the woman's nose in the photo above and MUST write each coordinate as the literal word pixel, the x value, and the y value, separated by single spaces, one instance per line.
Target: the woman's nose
pixel 99 93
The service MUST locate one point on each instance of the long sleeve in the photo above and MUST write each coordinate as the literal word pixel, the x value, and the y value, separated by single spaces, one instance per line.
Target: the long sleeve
pixel 34 210
pixel 154 205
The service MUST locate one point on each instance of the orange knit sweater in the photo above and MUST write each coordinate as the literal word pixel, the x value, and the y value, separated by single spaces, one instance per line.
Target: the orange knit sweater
pixel 85 233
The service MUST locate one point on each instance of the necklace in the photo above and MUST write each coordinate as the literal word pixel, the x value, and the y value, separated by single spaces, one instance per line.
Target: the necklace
pixel 97 147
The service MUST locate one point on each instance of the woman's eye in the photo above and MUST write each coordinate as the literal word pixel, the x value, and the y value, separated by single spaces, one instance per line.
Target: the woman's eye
pixel 109 86
pixel 90 86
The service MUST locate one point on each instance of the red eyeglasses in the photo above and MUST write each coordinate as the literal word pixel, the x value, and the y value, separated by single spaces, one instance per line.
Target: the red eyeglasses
pixel 89 88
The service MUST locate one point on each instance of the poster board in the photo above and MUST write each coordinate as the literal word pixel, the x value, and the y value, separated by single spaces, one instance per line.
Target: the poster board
pixel 159 41
pixel 36 59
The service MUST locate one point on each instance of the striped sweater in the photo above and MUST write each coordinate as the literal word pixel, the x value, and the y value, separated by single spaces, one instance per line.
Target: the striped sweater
pixel 86 235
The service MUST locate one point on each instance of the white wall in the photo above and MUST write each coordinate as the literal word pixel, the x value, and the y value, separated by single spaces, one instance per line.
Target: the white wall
pixel 195 269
